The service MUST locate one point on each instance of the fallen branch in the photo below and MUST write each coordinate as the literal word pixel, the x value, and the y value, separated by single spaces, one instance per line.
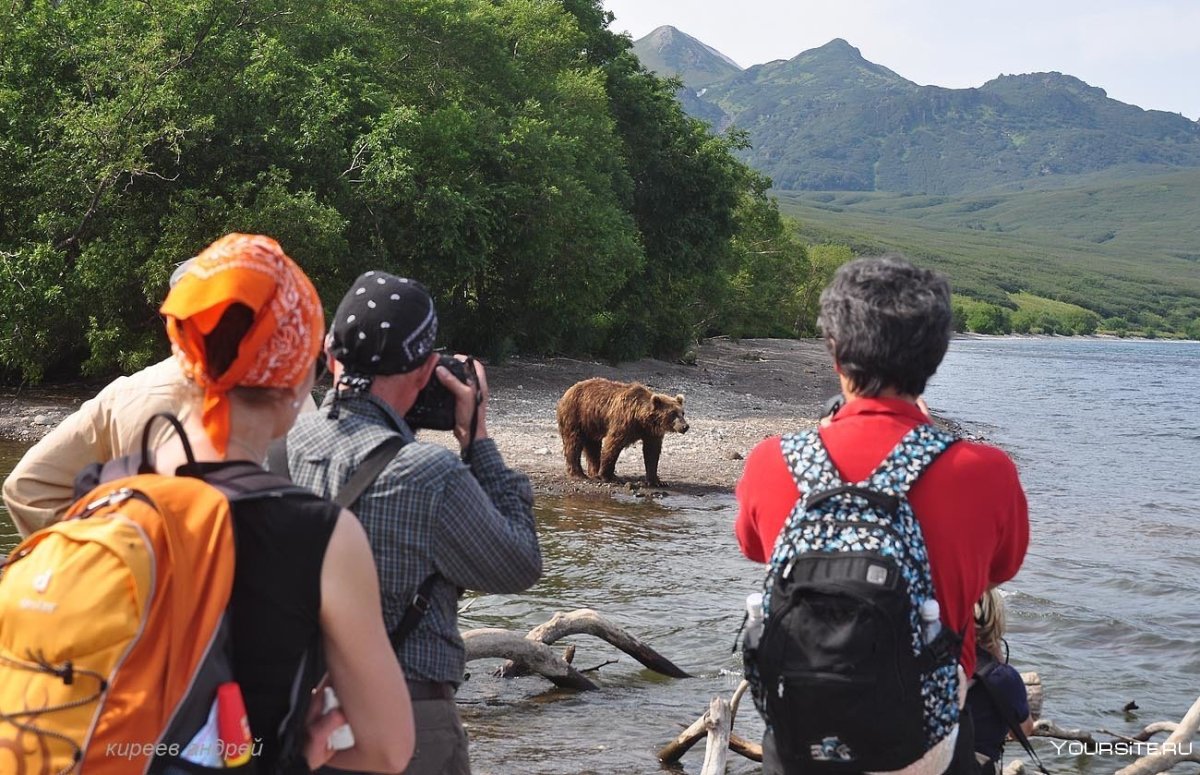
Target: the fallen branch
pixel 673 751
pixel 744 747
pixel 587 622
pixel 716 751
pixel 1033 691
pixel 738 693
pixel 490 642
pixel 1047 728
pixel 1150 731
pixel 1015 767
pixel 1175 749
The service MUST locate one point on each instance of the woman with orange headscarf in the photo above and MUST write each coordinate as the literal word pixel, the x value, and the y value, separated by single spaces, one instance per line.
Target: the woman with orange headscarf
pixel 246 325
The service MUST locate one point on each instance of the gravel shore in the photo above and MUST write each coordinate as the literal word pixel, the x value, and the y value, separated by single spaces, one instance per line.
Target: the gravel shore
pixel 737 393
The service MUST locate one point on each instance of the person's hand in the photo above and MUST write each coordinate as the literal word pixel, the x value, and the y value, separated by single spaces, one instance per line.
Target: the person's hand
pixel 319 726
pixel 465 402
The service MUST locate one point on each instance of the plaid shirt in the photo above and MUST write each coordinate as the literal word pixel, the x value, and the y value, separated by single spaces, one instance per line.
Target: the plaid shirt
pixel 427 512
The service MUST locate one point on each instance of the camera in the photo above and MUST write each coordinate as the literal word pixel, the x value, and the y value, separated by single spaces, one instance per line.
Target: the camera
pixel 435 405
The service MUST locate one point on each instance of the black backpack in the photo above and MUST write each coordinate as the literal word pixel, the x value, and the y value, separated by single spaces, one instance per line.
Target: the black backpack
pixel 842 672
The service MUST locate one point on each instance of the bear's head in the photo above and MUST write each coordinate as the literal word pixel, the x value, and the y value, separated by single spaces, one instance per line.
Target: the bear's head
pixel 667 414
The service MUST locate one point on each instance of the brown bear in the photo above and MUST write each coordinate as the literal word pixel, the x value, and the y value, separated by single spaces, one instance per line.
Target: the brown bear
pixel 599 418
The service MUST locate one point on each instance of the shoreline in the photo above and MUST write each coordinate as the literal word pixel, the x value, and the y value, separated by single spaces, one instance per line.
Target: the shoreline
pixel 736 394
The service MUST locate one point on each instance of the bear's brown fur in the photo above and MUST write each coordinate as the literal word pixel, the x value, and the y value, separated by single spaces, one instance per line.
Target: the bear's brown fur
pixel 599 418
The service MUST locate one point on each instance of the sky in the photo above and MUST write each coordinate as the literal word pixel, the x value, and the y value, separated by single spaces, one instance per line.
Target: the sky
pixel 1142 52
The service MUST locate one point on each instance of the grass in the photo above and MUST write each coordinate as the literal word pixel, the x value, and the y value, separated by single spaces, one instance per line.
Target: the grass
pixel 1117 247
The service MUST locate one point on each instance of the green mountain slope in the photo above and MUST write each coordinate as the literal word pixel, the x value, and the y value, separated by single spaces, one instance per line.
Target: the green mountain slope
pixel 670 52
pixel 828 119
pixel 1119 248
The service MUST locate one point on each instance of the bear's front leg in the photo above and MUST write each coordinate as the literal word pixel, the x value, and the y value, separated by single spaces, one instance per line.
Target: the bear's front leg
pixel 611 450
pixel 651 449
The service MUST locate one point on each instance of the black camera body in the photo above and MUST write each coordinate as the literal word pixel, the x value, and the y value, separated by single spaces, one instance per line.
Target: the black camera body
pixel 435 405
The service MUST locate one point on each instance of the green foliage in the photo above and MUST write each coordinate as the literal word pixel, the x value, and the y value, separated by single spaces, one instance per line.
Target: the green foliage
pixel 985 318
pixel 1042 248
pixel 685 200
pixel 1036 315
pixel 514 156
pixel 1115 325
pixel 771 268
pixel 824 260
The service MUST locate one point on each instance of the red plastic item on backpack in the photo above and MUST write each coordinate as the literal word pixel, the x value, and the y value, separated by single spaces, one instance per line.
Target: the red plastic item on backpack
pixel 233 728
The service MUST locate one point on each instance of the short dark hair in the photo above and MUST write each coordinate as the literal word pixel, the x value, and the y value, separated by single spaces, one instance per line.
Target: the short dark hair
pixel 887 323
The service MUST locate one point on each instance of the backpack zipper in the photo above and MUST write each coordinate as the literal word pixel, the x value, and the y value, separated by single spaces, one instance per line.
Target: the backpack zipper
pixel 887 528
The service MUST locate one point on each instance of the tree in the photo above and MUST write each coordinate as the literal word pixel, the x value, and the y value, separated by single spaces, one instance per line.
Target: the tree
pixel 514 156
pixel 984 318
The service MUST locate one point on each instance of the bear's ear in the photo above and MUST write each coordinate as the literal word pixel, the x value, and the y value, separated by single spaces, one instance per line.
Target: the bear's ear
pixel 679 398
pixel 657 401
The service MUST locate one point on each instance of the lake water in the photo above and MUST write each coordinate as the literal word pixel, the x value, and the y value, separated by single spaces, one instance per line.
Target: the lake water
pixel 1105 607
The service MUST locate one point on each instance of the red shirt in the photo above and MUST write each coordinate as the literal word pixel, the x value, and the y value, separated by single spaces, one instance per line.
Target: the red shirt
pixel 969 503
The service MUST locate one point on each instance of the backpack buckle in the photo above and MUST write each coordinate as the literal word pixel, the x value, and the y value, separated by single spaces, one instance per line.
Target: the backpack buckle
pixel 111 499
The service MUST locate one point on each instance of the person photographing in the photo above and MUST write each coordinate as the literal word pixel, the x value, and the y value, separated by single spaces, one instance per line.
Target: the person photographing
pixel 437 522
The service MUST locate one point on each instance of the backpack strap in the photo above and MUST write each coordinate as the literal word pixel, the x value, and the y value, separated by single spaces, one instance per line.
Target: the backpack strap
pixel 363 477
pixel 416 610
pixel 368 471
pixel 984 669
pixel 809 463
pixel 915 452
pixel 277 457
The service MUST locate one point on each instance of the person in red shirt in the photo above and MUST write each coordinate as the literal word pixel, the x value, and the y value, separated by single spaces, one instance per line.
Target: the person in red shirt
pixel 887 324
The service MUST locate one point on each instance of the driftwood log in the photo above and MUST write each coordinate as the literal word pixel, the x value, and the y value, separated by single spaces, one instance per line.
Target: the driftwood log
pixel 585 621
pixel 1177 748
pixel 673 751
pixel 490 642
pixel 531 653
pixel 716 752
pixel 1033 690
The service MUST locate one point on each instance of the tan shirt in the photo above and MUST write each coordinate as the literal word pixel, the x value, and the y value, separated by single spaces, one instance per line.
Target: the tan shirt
pixel 41 487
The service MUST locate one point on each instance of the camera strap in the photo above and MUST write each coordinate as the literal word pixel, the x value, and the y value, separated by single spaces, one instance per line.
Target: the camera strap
pixel 466 451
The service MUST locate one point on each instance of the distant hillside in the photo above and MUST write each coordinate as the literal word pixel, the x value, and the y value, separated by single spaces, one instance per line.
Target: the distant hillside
pixel 1121 248
pixel 828 119
pixel 669 52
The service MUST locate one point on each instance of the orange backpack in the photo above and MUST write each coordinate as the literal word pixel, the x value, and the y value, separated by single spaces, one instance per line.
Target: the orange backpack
pixel 113 630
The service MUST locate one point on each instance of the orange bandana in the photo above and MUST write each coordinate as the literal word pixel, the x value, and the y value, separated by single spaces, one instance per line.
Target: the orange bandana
pixel 282 343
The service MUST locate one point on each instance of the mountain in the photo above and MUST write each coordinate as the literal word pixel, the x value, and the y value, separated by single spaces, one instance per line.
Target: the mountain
pixel 669 52
pixel 828 119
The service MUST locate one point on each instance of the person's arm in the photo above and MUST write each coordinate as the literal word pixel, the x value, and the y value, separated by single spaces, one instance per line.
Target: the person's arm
pixel 1013 534
pixel 765 495
pixel 745 527
pixel 363 669
pixel 1012 690
pixel 42 485
pixel 486 538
